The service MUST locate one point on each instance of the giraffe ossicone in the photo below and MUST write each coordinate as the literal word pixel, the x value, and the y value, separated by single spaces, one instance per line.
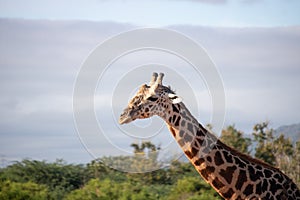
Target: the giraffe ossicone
pixel 232 174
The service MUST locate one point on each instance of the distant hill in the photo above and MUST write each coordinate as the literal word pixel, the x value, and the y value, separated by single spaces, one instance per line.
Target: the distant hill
pixel 291 131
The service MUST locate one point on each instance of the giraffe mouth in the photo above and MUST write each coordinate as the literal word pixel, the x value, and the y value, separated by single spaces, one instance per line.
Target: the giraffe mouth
pixel 125 117
pixel 124 120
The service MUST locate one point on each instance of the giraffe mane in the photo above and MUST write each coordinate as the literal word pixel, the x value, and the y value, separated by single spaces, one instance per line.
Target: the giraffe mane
pixel 247 157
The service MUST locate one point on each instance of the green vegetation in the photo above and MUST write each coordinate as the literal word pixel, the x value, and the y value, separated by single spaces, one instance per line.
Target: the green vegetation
pixel 31 179
pixel 264 138
pixel 19 191
pixel 234 138
pixel 41 180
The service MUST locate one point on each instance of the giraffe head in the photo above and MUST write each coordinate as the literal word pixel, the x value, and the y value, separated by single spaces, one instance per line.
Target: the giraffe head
pixel 152 99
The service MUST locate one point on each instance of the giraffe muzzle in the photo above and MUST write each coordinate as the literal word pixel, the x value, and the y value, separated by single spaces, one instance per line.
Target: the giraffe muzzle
pixel 125 117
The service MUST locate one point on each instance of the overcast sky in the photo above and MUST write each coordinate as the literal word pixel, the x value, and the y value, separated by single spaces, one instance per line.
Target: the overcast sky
pixel 160 12
pixel 254 44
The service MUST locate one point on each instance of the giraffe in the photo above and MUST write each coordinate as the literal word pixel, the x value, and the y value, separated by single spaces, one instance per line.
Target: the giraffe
pixel 232 174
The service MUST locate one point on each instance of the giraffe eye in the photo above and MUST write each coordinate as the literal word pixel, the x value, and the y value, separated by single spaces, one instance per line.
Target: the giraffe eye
pixel 152 98
pixel 173 97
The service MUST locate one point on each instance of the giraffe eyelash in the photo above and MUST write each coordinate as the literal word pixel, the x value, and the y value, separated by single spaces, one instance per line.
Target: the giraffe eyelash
pixel 174 97
pixel 152 98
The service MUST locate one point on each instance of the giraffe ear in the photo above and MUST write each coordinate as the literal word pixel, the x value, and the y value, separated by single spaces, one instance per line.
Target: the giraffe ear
pixel 174 98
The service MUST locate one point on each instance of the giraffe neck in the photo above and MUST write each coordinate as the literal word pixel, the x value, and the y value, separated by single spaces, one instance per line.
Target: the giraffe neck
pixel 196 142
pixel 232 174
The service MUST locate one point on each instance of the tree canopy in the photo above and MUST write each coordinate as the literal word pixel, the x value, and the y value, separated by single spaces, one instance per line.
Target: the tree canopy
pixel 32 179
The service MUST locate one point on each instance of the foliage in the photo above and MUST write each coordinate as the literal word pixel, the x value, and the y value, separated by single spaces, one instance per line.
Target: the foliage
pixel 279 152
pixel 192 188
pixel 263 136
pixel 283 150
pixel 19 191
pixel 288 157
pixel 294 167
pixel 100 170
pixel 234 138
pixel 31 179
pixel 107 189
pixel 144 159
pixel 58 176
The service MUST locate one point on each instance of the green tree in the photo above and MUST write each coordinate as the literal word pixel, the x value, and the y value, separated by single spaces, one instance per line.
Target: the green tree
pixel 105 168
pixel 20 191
pixel 147 149
pixel 109 190
pixel 58 176
pixel 192 188
pixel 145 162
pixel 294 168
pixel 283 151
pixel 263 137
pixel 96 189
pixel 234 138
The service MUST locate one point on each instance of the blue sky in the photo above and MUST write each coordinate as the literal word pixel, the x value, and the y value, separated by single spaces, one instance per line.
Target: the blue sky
pixel 160 12
pixel 254 44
